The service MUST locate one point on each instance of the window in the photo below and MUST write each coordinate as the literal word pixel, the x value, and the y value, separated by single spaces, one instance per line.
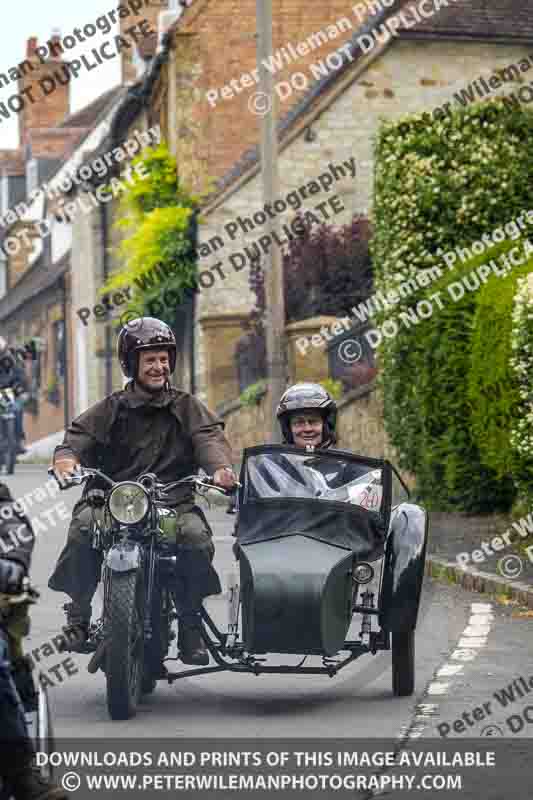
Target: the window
pixel 58 332
pixel 32 176
pixel 4 195
pixel 3 275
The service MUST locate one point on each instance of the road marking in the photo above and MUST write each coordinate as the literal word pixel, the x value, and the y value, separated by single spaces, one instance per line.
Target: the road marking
pixel 472 639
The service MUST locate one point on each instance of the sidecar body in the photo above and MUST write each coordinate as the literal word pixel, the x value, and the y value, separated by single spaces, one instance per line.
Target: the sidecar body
pixel 326 541
pixel 306 521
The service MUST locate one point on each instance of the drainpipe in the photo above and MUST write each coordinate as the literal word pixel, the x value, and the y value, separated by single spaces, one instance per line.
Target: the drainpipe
pixel 66 380
pixel 105 270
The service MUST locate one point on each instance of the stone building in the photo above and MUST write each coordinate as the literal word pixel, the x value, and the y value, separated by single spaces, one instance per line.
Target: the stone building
pixel 35 279
pixel 335 120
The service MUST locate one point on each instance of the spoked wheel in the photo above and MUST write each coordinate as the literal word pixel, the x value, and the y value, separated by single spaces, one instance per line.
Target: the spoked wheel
pixel 403 663
pixel 125 645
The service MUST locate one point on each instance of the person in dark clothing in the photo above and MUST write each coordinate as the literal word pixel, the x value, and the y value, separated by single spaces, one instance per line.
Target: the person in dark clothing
pixel 17 770
pixel 147 427
pixel 13 376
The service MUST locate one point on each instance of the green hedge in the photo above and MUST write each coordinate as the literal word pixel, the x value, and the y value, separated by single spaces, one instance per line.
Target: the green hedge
pixel 522 366
pixel 493 389
pixel 438 186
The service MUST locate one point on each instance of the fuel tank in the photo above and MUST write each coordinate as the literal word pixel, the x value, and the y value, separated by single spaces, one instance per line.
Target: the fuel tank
pixel 296 595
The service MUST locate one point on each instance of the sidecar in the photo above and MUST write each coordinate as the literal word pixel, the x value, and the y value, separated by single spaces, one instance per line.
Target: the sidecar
pixel 326 542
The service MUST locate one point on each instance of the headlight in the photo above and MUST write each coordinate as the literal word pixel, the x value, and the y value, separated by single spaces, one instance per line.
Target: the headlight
pixel 128 503
pixel 363 573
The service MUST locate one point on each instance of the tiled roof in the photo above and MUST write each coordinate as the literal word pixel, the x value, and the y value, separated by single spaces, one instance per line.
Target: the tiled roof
pixel 479 19
pixel 54 142
pixel 87 116
pixel 36 280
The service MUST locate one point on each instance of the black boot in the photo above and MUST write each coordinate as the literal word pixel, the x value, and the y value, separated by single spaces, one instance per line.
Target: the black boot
pixel 192 649
pixel 76 631
pixel 23 779
pixel 30 785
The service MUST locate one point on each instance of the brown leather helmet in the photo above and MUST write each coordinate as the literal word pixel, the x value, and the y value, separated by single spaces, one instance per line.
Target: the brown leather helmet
pixel 307 397
pixel 144 333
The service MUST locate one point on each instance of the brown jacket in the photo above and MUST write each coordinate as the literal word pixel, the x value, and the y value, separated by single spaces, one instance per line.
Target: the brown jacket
pixel 131 432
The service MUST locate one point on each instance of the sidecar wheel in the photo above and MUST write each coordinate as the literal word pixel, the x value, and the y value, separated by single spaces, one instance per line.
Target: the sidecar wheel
pixel 403 663
pixel 124 653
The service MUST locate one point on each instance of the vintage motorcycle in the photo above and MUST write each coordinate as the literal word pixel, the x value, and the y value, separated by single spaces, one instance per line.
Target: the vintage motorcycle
pixel 132 527
pixel 8 439
pixel 313 530
pixel 33 694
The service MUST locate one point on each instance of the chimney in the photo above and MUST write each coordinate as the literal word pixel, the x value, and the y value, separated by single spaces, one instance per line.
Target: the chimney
pixel 146 47
pixel 48 110
pixel 31 47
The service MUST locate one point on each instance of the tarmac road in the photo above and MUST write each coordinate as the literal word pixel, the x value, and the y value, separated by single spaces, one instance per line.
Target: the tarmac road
pixel 468 648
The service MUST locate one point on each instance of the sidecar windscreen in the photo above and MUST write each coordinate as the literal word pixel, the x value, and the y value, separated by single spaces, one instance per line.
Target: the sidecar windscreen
pixel 335 496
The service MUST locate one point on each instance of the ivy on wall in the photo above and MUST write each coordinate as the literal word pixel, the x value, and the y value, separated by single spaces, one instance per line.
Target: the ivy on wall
pixel 157 214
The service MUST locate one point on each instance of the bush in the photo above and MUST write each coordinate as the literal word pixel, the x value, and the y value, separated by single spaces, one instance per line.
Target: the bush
pixel 252 394
pixel 327 270
pixel 493 388
pixel 442 185
pixel 158 252
pixel 522 366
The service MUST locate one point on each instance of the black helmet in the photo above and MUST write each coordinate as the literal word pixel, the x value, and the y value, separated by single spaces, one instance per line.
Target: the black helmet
pixel 307 397
pixel 144 333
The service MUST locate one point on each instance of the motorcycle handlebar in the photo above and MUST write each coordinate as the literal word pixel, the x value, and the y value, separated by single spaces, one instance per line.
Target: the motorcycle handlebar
pixel 87 472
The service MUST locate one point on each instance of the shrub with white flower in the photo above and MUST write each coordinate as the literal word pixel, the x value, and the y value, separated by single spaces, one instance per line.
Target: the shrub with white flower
pixel 522 364
pixel 442 185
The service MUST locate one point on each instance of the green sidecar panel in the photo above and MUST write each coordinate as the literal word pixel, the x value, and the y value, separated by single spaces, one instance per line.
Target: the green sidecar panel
pixel 296 595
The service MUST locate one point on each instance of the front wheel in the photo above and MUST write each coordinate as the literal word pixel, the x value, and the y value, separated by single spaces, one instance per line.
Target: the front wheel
pixel 403 663
pixel 125 646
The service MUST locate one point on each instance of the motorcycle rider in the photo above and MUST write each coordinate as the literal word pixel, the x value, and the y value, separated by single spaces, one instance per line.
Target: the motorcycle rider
pixel 17 771
pixel 146 427
pixel 13 375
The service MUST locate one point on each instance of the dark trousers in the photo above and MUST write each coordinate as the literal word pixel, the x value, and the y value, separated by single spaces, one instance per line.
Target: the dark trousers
pixel 15 745
pixel 78 569
pixel 19 420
